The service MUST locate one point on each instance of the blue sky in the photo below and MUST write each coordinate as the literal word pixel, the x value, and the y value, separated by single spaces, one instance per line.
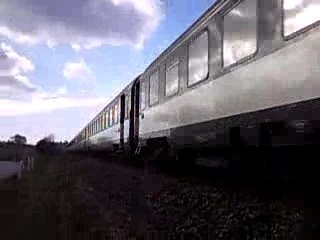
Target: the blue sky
pixel 59 65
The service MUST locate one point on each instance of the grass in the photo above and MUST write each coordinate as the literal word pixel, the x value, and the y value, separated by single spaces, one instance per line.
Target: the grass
pixel 40 204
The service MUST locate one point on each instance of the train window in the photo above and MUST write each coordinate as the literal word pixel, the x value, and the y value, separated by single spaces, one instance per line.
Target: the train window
pixel 111 116
pixel 114 114
pixel 128 103
pixel 126 111
pixel 198 59
pixel 154 88
pixel 240 32
pixel 116 119
pixel 172 78
pixel 299 14
pixel 103 121
pixel 118 112
pixel 106 119
pixel 143 88
pixel 98 124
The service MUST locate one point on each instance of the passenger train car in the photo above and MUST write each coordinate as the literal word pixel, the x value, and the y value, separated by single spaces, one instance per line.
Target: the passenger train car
pixel 245 72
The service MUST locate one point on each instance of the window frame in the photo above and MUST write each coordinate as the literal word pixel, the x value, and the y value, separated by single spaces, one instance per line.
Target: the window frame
pixel 143 81
pixel 127 106
pixel 115 109
pixel 109 117
pixel 106 119
pixel 248 57
pixel 194 38
pixel 157 70
pixel 174 62
pixel 103 120
pixel 298 32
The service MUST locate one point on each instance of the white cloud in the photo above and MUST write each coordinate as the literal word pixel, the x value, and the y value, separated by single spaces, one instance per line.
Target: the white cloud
pixel 13 63
pixel 18 96
pixel 43 102
pixel 77 70
pixel 80 23
pixel 62 91
pixel 13 73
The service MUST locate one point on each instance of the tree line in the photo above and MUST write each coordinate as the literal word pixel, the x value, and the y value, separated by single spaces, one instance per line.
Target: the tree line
pixel 46 144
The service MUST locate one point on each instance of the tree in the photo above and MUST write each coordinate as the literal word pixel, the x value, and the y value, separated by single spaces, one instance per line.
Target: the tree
pixel 18 139
pixel 50 138
pixel 46 144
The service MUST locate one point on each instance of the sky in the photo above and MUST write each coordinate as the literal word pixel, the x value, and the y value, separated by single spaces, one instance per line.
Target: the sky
pixel 62 61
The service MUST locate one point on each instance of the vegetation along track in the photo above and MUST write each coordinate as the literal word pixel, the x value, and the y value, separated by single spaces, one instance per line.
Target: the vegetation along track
pixel 205 202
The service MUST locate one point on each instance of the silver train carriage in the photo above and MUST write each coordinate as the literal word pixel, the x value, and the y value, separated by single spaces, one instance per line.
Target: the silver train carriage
pixel 246 71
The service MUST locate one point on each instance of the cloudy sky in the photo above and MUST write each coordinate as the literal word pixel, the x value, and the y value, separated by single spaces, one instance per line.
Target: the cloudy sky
pixel 62 61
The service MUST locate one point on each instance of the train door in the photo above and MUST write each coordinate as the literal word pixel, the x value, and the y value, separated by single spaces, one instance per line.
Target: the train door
pixel 134 116
pixel 122 118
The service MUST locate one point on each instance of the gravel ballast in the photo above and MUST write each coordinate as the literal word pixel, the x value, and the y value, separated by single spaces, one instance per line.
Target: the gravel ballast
pixel 122 202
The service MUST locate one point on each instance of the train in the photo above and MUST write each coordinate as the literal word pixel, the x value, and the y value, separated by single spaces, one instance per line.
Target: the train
pixel 246 73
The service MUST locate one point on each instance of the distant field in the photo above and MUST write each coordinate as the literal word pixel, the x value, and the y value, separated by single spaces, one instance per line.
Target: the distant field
pixel 14 152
